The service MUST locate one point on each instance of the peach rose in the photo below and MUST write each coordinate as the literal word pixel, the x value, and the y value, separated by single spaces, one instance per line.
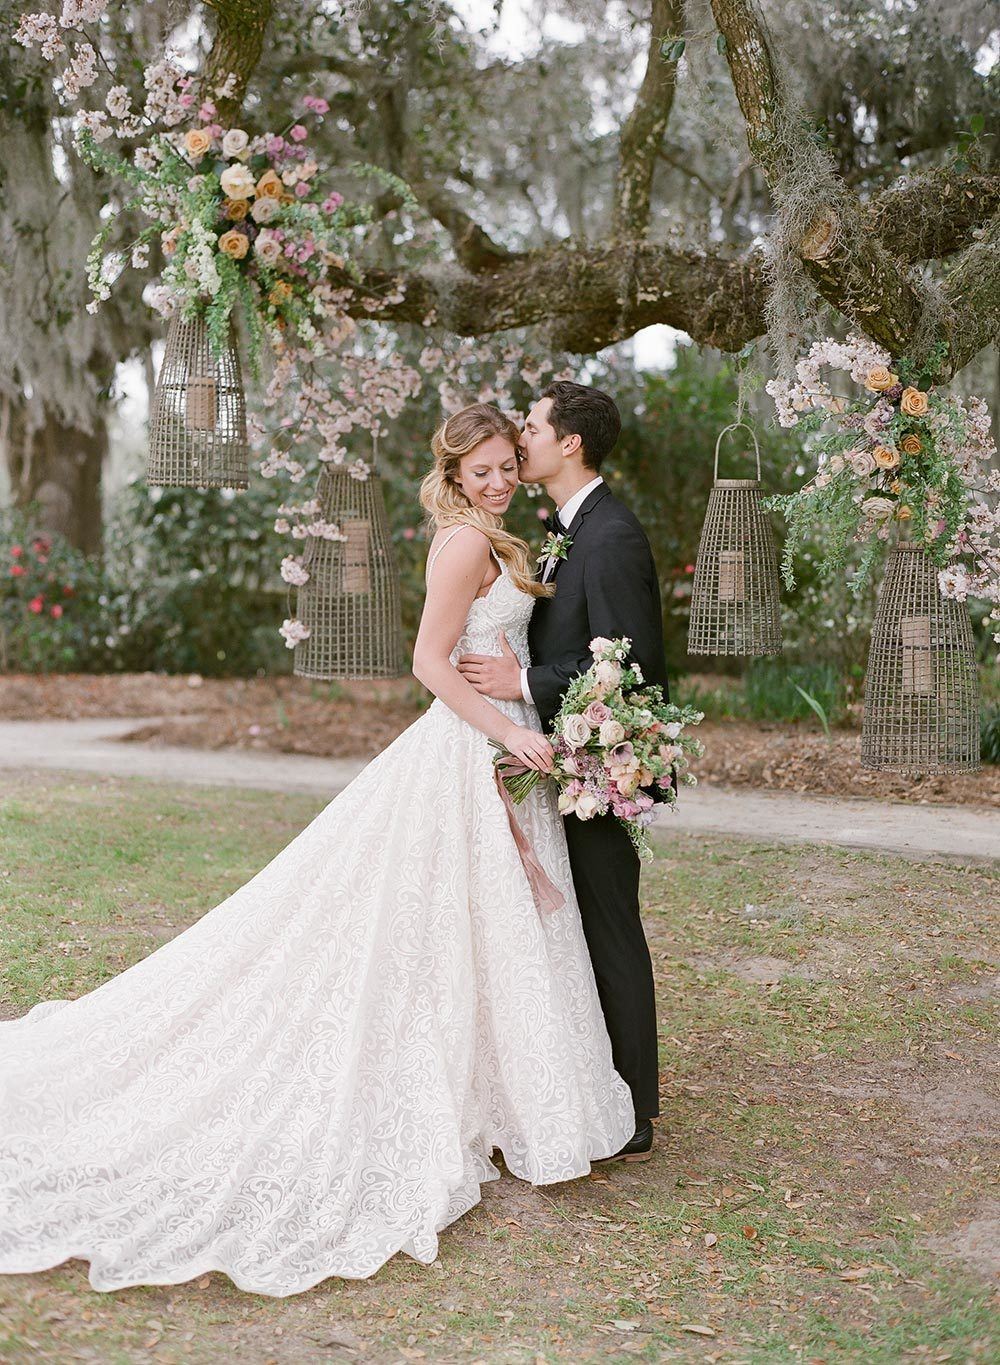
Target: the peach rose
pixel 903 513
pixel 196 142
pixel 885 457
pixel 269 186
pixel 237 182
pixel 281 291
pixel 911 445
pixel 236 209
pixel 234 244
pixel 914 403
pixel 880 378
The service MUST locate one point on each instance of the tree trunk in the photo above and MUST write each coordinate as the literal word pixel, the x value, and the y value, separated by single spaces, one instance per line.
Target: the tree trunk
pixel 57 469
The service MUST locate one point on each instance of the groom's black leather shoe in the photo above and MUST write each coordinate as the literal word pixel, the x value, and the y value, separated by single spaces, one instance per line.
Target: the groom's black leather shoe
pixel 638 1148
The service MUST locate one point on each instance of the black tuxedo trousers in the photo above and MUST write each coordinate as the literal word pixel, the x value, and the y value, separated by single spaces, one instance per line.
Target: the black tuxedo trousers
pixel 607 585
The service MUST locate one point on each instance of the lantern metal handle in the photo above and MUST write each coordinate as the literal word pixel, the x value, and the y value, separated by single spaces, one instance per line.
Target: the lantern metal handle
pixel 732 427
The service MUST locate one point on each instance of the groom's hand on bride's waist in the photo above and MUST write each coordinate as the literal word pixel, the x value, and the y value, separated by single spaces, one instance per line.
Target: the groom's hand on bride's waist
pixel 497 676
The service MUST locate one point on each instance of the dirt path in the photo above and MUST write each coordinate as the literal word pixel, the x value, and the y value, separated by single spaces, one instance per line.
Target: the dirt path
pixel 912 829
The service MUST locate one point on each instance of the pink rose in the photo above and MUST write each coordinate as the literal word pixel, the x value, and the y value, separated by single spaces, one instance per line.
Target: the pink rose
pixel 298 133
pixel 596 714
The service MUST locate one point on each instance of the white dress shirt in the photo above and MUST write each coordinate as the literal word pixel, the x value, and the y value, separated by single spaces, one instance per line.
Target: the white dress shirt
pixel 565 514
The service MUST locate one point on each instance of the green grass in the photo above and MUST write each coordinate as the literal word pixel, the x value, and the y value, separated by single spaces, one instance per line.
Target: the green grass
pixel 815 1004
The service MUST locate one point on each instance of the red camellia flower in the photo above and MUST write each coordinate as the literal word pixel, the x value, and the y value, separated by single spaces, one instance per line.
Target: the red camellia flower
pixel 35 605
pixel 17 570
pixel 16 551
pixel 56 610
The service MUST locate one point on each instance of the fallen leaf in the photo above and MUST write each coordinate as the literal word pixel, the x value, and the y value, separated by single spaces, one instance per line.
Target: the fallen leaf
pixel 699 1328
pixel 710 1239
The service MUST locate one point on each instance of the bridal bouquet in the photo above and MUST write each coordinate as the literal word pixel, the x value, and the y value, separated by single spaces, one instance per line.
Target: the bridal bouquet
pixel 615 740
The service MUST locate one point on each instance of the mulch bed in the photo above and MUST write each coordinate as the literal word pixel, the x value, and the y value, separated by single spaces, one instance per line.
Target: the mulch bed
pixel 357 720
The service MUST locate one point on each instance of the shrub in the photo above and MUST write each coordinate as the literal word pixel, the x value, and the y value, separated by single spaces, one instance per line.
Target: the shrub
pixel 50 601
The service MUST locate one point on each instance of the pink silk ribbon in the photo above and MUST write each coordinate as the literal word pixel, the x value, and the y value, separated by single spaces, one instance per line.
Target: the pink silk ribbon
pixel 547 896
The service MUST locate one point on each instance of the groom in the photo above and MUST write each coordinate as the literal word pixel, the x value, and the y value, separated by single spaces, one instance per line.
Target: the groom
pixel 605 585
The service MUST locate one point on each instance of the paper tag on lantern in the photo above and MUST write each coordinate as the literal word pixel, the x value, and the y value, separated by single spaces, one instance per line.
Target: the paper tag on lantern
pixel 732 587
pixel 200 411
pixel 918 662
pixel 355 571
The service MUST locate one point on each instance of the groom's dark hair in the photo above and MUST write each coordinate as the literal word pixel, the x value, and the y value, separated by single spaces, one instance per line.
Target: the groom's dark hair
pixel 591 414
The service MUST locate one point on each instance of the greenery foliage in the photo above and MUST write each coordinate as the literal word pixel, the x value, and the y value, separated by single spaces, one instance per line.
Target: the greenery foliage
pixel 186 585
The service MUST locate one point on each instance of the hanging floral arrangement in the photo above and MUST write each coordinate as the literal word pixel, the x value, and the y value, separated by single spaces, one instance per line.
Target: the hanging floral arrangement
pixel 896 455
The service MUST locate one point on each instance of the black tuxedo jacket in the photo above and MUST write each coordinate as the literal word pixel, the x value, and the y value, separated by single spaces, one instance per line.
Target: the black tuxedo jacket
pixel 606 585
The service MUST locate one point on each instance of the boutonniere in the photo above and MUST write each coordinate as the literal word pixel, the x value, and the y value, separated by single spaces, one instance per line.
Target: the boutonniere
pixel 556 546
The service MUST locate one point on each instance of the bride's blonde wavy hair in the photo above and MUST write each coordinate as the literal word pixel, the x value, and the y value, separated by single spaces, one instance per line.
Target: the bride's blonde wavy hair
pixel 447 505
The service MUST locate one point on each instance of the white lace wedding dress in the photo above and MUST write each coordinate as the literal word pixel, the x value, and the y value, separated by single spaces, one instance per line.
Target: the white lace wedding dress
pixel 314 1075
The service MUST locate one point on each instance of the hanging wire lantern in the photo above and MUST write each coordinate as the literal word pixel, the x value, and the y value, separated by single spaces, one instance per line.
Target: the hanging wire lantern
pixel 198 424
pixel 734 600
pixel 351 603
pixel 922 684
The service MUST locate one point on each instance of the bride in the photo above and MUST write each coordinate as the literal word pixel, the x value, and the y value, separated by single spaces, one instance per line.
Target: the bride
pixel 314 1075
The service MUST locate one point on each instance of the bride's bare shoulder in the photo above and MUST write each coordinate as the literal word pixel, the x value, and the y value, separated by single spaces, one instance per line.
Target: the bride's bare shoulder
pixel 467 545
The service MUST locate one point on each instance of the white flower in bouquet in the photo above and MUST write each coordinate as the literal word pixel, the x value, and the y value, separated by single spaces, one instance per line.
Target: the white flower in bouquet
pixel 611 732
pixel 587 805
pixel 576 731
pixel 235 142
pixel 238 182
pixel 672 729
pixel 599 644
pixel 566 803
pixel 607 676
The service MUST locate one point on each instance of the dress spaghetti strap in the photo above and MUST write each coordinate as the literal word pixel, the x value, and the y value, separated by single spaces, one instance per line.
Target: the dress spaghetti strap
pixel 435 553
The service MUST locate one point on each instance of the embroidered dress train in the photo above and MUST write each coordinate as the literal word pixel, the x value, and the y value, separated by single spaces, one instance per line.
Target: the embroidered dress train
pixel 314 1075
